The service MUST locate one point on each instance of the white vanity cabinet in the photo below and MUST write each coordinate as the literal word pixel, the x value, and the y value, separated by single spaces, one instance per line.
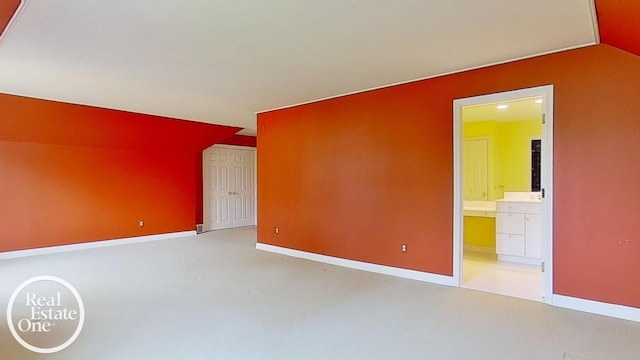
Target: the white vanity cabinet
pixel 518 231
pixel 533 235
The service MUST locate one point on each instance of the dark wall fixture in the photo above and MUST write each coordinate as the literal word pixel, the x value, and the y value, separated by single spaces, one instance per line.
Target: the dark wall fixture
pixel 536 146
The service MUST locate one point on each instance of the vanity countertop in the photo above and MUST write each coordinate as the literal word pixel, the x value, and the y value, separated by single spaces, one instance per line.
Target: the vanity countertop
pixel 479 208
pixel 533 201
pixel 525 197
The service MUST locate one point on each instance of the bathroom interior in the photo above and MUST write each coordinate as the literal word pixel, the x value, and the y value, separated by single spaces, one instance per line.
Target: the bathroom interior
pixel 502 198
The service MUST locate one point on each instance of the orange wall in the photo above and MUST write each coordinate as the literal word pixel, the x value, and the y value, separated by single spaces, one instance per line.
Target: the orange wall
pixel 356 176
pixel 53 195
pixel 72 173
pixel 618 23
pixel 7 10
pixel 240 140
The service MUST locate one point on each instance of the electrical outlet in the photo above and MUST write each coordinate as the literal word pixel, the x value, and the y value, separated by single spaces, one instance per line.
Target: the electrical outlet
pixel 276 230
pixel 141 223
pixel 404 247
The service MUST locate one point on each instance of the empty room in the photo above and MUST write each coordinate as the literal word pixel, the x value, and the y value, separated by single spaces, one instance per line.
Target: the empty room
pixel 319 180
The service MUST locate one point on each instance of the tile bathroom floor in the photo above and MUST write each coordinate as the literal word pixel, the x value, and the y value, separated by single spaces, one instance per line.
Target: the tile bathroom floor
pixel 484 272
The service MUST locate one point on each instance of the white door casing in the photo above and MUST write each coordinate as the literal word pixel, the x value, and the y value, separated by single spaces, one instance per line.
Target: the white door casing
pixel 546 218
pixel 229 189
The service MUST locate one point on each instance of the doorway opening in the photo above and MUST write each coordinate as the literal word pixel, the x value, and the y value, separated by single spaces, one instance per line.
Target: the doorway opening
pixel 503 193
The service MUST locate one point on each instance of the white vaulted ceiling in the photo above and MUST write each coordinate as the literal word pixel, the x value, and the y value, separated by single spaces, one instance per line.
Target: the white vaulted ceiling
pixel 223 61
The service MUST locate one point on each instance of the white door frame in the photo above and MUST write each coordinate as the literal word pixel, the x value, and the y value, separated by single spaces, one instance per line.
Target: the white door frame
pixel 205 180
pixel 546 92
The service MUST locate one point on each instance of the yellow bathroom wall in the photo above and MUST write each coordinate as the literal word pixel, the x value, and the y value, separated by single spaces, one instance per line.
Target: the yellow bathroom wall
pixel 509 152
pixel 513 148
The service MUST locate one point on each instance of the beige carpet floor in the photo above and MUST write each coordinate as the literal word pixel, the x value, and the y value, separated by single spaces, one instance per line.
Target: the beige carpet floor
pixel 213 296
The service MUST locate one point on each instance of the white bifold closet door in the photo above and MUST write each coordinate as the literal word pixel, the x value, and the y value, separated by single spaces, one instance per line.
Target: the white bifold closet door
pixel 229 188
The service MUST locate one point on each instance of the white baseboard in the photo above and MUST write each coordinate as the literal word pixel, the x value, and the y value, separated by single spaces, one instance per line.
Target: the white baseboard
pixel 597 307
pixel 359 265
pixel 590 306
pixel 92 245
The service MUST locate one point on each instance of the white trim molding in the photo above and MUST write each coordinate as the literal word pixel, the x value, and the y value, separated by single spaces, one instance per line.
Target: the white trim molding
pixel 226 146
pixel 434 76
pixel 567 302
pixel 359 265
pixel 92 245
pixel 594 21
pixel 597 307
pixel 546 93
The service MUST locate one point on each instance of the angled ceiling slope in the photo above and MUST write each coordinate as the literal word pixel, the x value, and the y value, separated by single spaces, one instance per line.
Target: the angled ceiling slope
pixel 222 61
pixel 619 24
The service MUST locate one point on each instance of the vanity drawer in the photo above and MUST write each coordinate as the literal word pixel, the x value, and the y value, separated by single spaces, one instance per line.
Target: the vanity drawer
pixel 509 223
pixel 509 244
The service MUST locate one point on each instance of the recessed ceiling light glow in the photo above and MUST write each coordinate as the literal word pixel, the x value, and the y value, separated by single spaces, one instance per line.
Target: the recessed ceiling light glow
pixel 502 106
pixel 538 101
